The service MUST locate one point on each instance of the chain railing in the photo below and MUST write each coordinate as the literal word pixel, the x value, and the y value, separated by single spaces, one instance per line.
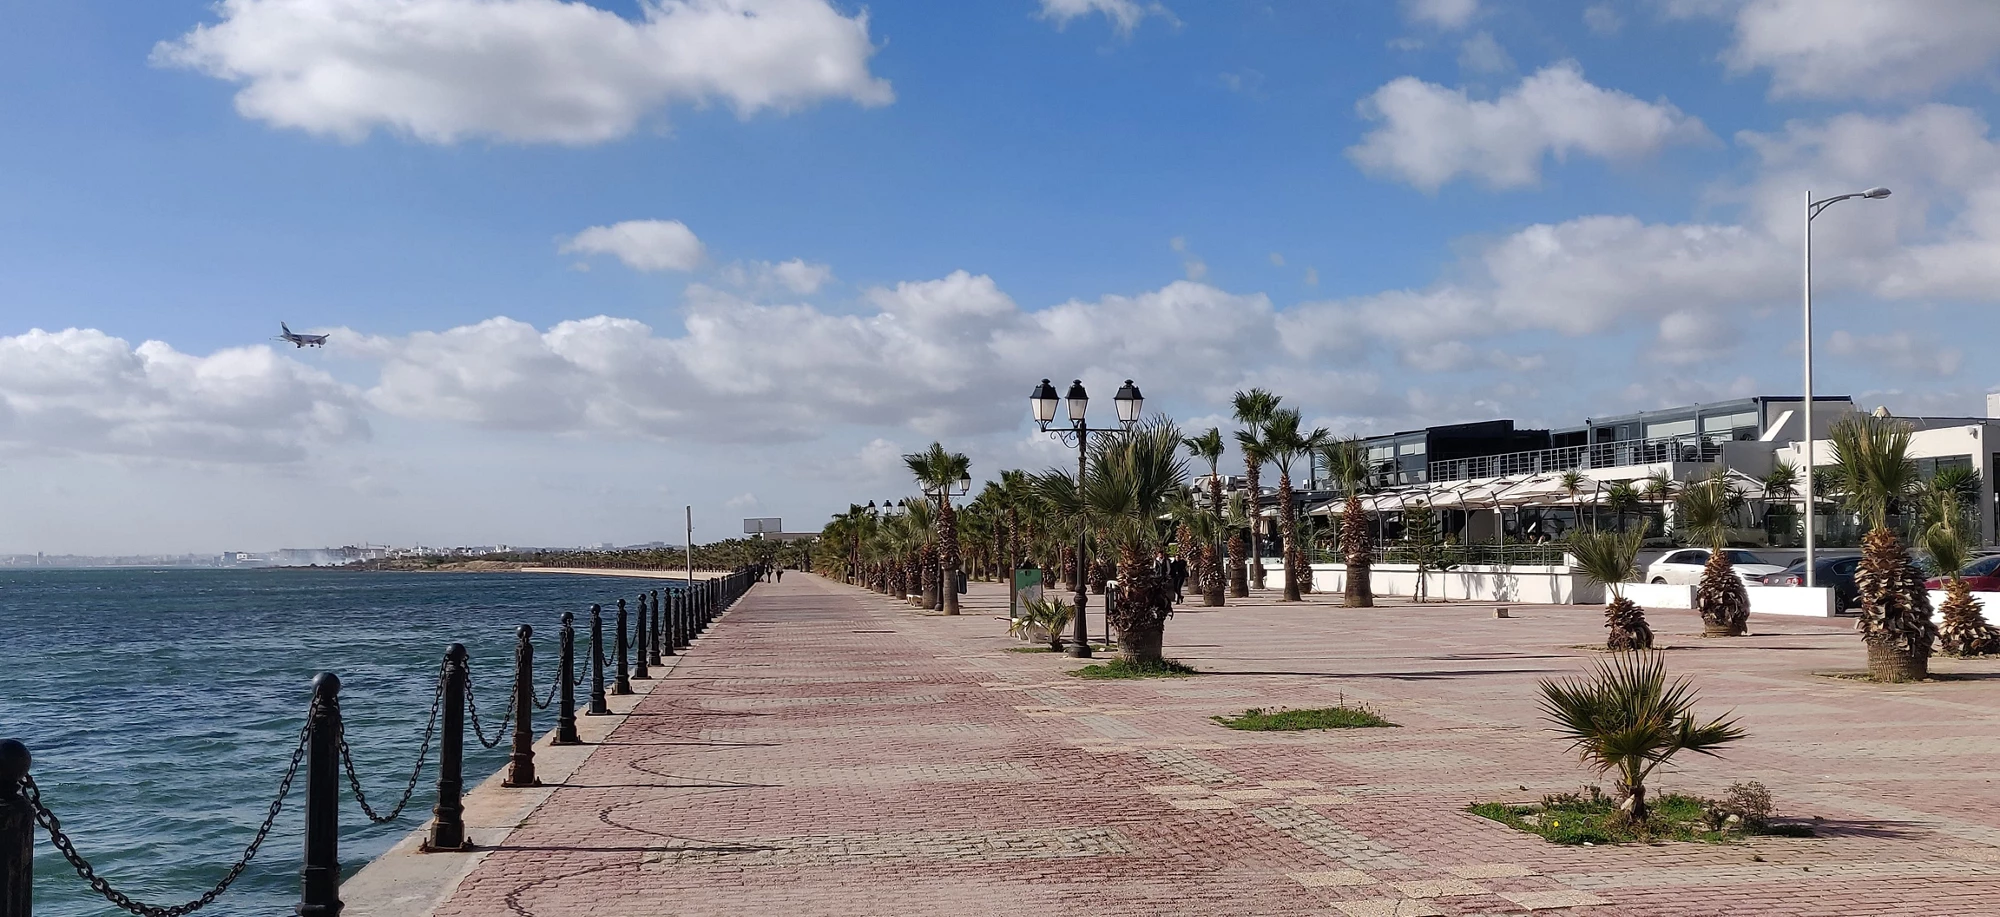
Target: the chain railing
pixel 669 624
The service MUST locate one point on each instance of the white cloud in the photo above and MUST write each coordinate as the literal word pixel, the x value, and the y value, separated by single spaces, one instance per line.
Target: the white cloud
pixel 644 245
pixel 526 71
pixel 794 276
pixel 1430 135
pixel 1312 277
pixel 1124 14
pixel 1858 48
pixel 1191 263
pixel 1445 14
pixel 1277 259
pixel 81 391
pixel 1482 54
pixel 1602 19
pixel 1897 349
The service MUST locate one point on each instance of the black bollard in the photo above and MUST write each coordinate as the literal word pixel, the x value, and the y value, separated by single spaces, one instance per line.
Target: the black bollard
pixel 654 647
pixel 641 669
pixel 448 828
pixel 597 707
pixel 566 686
pixel 665 636
pixel 521 764
pixel 623 684
pixel 679 610
pixel 17 833
pixel 319 878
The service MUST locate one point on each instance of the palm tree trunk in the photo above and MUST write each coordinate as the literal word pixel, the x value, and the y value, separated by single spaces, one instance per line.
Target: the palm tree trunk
pixel 1721 599
pixel 1239 571
pixel 1140 615
pixel 947 555
pixel 1256 499
pixel 1895 610
pixel 1965 631
pixel 1288 528
pixel 1355 553
pixel 1626 622
pixel 1212 588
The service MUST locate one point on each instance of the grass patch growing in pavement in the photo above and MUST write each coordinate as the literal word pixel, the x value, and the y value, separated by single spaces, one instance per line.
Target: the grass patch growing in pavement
pixel 1578 819
pixel 1258 719
pixel 1123 668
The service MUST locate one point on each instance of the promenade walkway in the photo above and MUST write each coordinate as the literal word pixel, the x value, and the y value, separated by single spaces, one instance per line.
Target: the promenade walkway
pixel 826 751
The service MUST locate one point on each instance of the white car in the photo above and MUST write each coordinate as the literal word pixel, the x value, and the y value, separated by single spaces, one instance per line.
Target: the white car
pixel 1683 567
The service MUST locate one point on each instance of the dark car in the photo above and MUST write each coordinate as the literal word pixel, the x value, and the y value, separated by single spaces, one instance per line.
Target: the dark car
pixel 1983 575
pixel 1834 572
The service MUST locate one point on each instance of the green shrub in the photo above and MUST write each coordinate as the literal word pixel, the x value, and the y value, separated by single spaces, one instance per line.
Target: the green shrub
pixel 1122 668
pixel 1258 719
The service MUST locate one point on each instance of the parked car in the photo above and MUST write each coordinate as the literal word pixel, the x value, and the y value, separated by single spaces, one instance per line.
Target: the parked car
pixel 1683 567
pixel 1983 575
pixel 1836 573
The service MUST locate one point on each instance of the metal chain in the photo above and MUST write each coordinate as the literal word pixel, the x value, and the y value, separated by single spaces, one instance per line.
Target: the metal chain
pixel 423 752
pixel 472 706
pixel 544 703
pixel 47 819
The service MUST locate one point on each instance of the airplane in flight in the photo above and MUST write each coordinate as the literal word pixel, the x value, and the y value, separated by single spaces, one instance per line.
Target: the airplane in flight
pixel 301 340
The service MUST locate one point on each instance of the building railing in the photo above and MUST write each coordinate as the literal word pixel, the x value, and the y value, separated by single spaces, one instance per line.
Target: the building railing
pixel 666 624
pixel 1691 449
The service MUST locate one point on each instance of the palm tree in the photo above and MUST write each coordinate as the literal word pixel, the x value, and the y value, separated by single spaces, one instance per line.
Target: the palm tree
pixel 1346 462
pixel 1572 482
pixel 1877 474
pixel 939 471
pixel 1629 719
pixel 1252 409
pixel 1622 498
pixel 1208 447
pixel 1285 442
pixel 1947 537
pixel 1704 509
pixel 1610 558
pixel 1779 486
pixel 1132 479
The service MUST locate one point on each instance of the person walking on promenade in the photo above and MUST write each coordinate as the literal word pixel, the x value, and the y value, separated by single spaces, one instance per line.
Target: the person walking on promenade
pixel 781 574
pixel 1177 573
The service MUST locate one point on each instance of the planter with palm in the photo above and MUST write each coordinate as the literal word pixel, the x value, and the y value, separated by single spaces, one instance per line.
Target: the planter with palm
pixel 1286 441
pixel 1703 510
pixel 1133 478
pixel 1208 448
pixel 1346 461
pixel 1252 409
pixel 1877 475
pixel 1610 559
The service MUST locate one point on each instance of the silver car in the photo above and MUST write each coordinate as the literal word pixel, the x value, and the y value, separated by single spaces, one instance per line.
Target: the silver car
pixel 1683 567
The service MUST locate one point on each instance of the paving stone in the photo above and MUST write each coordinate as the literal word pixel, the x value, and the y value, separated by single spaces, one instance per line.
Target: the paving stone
pixel 1333 878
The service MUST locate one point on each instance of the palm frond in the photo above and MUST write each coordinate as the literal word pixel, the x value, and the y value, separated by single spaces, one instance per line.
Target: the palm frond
pixel 1876 469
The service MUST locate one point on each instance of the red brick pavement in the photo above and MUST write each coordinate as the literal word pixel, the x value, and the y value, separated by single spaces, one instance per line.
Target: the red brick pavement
pixel 826 751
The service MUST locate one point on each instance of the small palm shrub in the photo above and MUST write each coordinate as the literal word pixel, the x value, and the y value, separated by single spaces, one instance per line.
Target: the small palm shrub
pixel 1626 717
pixel 1610 558
pixel 1964 631
pixel 1049 614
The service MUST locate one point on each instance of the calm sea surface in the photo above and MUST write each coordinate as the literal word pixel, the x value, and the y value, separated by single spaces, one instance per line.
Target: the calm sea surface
pixel 162 707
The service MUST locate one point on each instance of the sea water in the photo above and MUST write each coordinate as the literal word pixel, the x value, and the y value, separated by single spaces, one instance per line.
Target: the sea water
pixel 162 707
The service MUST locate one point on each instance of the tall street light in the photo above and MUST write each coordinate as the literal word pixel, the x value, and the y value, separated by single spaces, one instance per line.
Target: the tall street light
pixel 1043 402
pixel 1813 209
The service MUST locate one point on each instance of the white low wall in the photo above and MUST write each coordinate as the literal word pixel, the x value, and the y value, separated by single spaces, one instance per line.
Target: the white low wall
pixel 1648 595
pixel 1474 583
pixel 1989 604
pixel 1816 602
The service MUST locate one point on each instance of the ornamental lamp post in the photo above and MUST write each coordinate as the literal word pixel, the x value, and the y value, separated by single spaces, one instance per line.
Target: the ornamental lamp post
pixel 1813 209
pixel 1042 403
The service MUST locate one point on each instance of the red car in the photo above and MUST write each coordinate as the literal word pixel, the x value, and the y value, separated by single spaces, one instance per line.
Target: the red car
pixel 1983 575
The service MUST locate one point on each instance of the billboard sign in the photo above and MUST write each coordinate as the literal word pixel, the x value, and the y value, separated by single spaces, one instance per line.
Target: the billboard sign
pixel 763 526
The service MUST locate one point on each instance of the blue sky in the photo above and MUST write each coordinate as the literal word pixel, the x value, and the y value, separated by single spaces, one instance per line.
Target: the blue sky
pixel 1393 213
